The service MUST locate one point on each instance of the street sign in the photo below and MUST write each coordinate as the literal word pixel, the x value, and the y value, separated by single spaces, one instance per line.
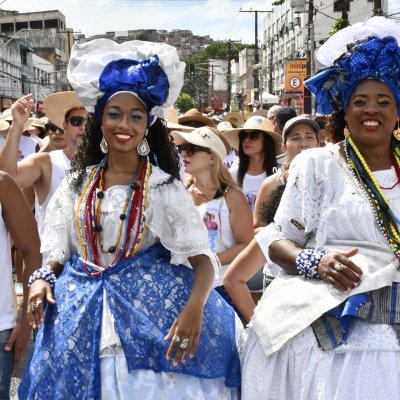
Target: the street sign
pixel 295 73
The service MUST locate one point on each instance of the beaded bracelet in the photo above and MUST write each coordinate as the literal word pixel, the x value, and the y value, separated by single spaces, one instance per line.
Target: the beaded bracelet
pixel 45 273
pixel 307 262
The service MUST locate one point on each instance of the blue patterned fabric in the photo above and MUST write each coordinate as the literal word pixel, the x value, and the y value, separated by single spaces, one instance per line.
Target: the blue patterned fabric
pixel 145 295
pixel 374 59
pixel 145 78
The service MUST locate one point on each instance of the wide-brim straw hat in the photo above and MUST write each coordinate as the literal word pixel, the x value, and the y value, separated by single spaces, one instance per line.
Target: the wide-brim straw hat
pixel 4 125
pixel 37 123
pixel 234 118
pixel 56 105
pixel 204 137
pixel 255 123
pixel 225 126
pixel 172 122
pixel 196 116
pixel 44 120
pixel 7 117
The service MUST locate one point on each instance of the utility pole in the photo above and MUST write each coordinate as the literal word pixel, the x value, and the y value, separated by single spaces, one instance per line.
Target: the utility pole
pixel 229 80
pixel 307 99
pixel 378 7
pixel 256 58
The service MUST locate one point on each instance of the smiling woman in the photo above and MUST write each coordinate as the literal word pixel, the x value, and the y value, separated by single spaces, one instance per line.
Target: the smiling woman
pixel 333 310
pixel 132 309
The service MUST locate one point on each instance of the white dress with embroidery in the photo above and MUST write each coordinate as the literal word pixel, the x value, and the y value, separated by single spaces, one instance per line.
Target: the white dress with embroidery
pixel 324 198
pixel 172 220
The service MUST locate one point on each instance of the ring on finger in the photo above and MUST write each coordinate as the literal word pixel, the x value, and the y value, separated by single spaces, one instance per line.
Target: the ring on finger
pixel 176 339
pixel 33 306
pixel 338 267
pixel 184 344
pixel 38 303
pixel 331 280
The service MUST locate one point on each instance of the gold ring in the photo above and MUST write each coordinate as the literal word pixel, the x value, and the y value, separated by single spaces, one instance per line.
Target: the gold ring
pixel 338 267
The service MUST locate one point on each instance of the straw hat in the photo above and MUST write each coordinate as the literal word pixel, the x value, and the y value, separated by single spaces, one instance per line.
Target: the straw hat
pixel 4 125
pixel 172 122
pixel 205 137
pixel 56 105
pixel 255 123
pixel 37 123
pixel 224 126
pixel 197 116
pixel 7 117
pixel 234 118
pixel 44 120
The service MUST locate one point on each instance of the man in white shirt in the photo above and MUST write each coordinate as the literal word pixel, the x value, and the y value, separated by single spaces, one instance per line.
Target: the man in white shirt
pixel 44 171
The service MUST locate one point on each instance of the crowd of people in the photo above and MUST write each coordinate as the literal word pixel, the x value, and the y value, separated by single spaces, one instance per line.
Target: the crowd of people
pixel 185 257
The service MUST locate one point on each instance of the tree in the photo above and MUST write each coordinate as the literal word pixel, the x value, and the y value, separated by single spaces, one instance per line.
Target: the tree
pixel 184 102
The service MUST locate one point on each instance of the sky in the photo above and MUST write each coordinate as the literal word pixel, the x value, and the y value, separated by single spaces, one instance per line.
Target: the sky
pixel 221 19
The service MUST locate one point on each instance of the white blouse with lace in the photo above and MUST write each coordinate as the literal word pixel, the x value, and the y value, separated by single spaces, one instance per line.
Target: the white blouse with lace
pixel 171 217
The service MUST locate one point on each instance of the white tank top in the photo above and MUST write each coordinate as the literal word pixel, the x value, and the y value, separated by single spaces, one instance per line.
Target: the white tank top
pixel 60 165
pixel 7 293
pixel 215 215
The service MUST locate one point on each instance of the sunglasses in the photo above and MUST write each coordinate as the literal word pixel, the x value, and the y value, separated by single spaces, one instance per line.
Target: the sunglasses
pixel 253 135
pixel 190 149
pixel 77 120
pixel 54 128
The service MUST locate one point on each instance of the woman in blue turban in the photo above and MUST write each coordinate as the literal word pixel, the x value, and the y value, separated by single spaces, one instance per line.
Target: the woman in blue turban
pixel 130 312
pixel 329 326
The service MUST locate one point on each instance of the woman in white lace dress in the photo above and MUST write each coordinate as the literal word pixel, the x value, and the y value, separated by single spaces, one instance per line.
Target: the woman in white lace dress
pixel 131 314
pixel 328 326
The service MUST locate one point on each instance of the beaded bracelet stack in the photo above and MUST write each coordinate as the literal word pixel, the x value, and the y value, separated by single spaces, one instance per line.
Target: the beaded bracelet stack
pixel 45 273
pixel 307 262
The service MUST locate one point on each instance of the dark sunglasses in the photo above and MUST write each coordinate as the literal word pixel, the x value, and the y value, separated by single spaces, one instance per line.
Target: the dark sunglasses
pixel 253 135
pixel 77 120
pixel 190 149
pixel 54 128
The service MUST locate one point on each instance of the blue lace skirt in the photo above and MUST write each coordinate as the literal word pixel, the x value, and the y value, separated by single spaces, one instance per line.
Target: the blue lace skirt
pixel 145 295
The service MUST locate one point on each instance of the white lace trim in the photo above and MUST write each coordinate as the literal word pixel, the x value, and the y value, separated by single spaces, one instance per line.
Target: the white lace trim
pixel 171 217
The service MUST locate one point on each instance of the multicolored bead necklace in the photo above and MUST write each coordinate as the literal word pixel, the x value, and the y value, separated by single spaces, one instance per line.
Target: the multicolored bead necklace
pixel 88 216
pixel 387 221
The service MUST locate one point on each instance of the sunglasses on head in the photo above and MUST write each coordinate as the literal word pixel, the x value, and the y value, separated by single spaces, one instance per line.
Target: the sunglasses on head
pixel 190 149
pixel 77 120
pixel 54 128
pixel 253 135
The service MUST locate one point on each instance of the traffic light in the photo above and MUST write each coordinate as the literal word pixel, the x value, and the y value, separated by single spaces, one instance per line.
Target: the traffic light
pixel 192 69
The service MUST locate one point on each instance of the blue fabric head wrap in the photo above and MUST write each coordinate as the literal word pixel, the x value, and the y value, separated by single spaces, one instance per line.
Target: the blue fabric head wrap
pixel 373 59
pixel 144 78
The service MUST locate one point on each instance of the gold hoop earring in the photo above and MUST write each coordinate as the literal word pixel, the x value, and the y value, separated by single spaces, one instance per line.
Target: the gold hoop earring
pixel 396 132
pixel 346 132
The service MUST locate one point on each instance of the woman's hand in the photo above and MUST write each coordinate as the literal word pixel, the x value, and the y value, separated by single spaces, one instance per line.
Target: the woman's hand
pixel 21 110
pixel 39 292
pixel 185 333
pixel 336 269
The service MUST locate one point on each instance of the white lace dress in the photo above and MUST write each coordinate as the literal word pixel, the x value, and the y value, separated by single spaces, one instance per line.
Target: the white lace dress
pixel 173 221
pixel 323 196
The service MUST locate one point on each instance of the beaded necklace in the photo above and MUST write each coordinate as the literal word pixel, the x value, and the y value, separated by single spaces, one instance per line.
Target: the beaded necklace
pixel 387 221
pixel 88 216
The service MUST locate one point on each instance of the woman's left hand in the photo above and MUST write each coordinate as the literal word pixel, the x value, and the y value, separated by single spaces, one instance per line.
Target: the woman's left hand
pixel 185 333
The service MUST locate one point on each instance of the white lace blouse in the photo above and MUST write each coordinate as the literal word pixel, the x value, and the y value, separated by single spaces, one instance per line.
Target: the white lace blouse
pixel 322 201
pixel 171 217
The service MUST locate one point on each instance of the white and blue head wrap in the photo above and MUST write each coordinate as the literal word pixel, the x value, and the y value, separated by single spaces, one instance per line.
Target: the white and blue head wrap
pixel 99 69
pixel 367 57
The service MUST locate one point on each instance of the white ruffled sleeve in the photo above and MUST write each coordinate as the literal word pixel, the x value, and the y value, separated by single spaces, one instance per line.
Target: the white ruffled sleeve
pixel 313 177
pixel 173 218
pixel 60 215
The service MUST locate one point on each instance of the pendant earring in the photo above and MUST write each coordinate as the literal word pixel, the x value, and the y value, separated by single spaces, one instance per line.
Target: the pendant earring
pixel 396 132
pixel 143 147
pixel 104 146
pixel 346 132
